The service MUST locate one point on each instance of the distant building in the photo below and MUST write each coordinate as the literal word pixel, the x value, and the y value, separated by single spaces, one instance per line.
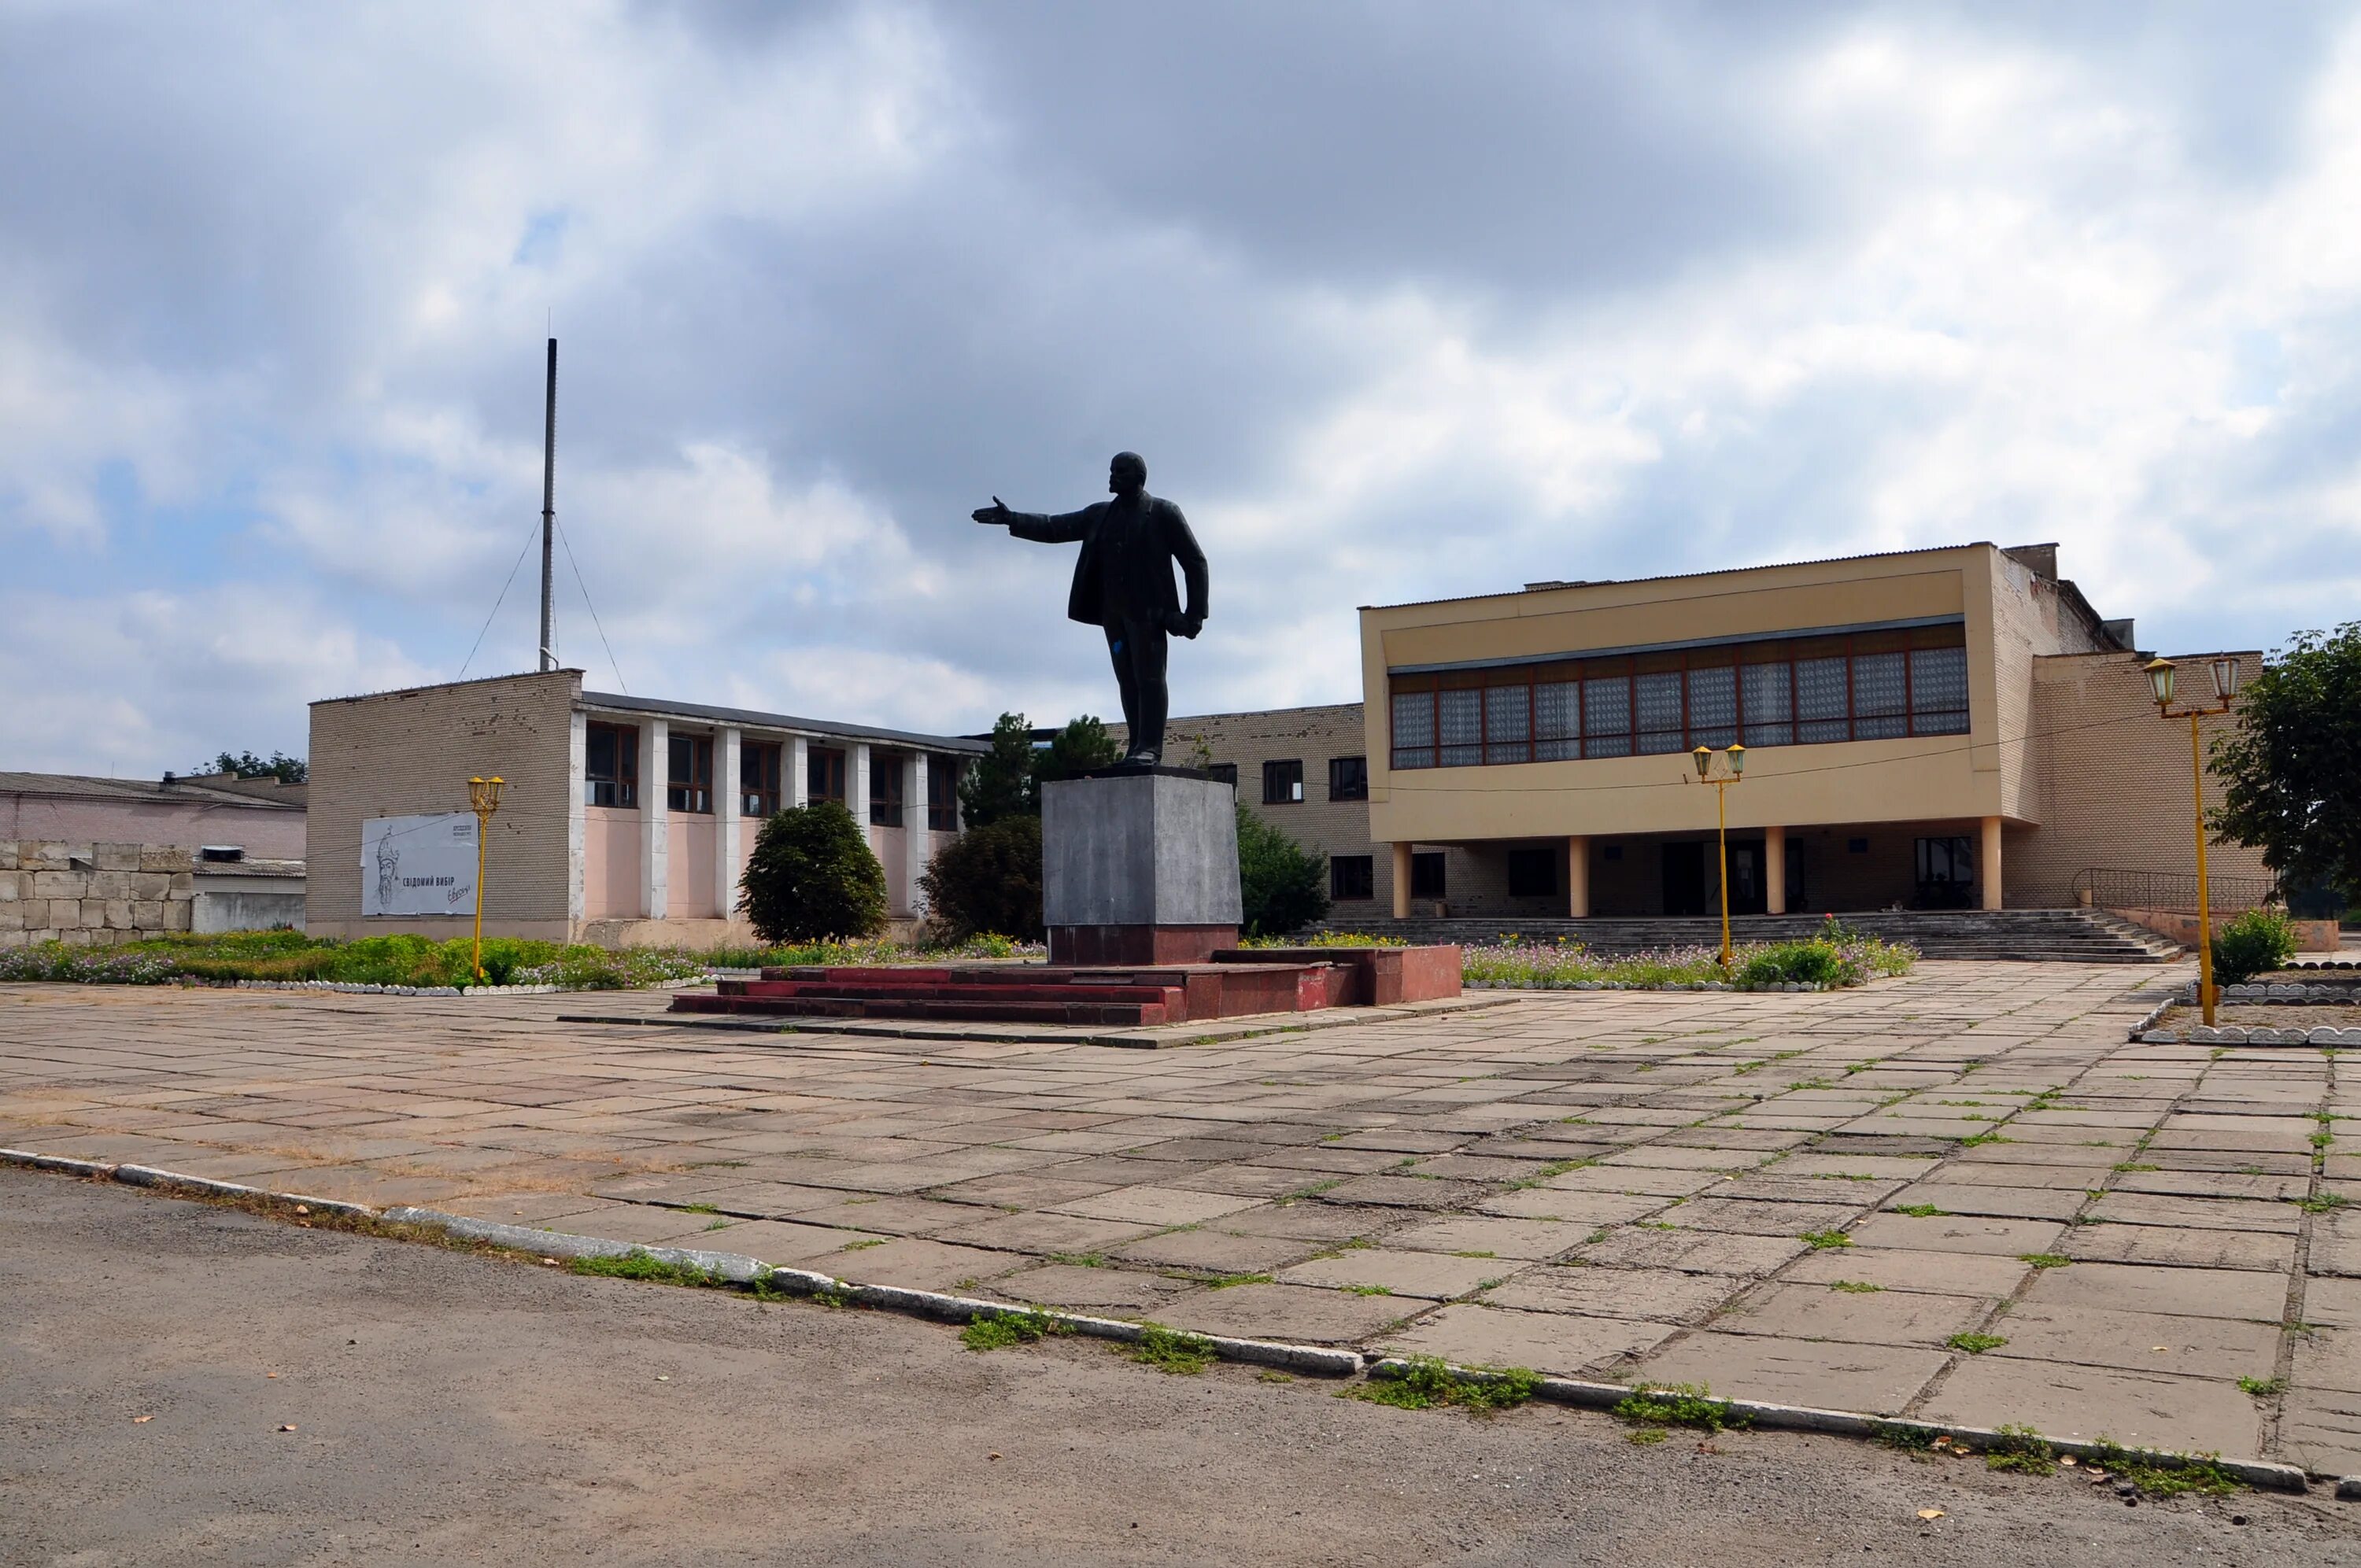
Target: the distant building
pixel 624 820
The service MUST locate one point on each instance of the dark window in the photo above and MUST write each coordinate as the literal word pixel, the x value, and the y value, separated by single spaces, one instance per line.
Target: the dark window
pixel 1426 875
pixel 942 795
pixel 611 765
pixel 688 777
pixel 1282 784
pixel 1947 870
pixel 886 791
pixel 1349 778
pixel 824 774
pixel 1533 873
pixel 758 779
pixel 1864 686
pixel 1611 852
pixel 1224 772
pixel 1856 846
pixel 1353 876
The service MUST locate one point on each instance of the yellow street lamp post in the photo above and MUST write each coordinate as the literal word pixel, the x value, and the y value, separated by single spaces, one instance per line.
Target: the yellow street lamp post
pixel 483 799
pixel 2225 686
pixel 1735 757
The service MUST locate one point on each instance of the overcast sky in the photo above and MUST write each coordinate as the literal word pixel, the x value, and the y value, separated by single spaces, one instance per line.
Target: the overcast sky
pixel 1398 301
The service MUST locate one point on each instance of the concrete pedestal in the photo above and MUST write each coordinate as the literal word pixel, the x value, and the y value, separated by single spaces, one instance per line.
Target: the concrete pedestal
pixel 1139 868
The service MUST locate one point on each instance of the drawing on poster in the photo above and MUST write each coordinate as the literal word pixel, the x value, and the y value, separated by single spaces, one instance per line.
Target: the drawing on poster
pixel 417 865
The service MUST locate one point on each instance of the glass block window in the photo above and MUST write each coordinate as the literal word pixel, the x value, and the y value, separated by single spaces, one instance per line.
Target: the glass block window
pixel 1881 696
pixel 1557 721
pixel 1764 689
pixel 1507 724
pixel 1939 691
pixel 1713 707
pixel 1414 730
pixel 1607 717
pixel 1823 700
pixel 1460 718
pixel 1658 698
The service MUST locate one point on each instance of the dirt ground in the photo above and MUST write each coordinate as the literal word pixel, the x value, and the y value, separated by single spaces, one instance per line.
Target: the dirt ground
pixel 453 1409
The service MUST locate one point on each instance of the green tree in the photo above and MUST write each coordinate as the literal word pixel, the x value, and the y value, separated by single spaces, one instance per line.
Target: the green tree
pixel 247 766
pixel 987 880
pixel 812 877
pixel 1000 783
pixel 1083 744
pixel 1283 886
pixel 2291 769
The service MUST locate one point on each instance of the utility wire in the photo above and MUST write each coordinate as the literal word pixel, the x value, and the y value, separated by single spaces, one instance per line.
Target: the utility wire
pixel 591 608
pixel 502 599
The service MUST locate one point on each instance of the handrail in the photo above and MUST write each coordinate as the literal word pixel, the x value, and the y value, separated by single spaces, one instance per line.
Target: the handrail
pixel 2114 887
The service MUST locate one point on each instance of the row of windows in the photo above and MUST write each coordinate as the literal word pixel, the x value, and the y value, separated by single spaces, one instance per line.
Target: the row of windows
pixel 1282 782
pixel 611 777
pixel 1871 686
pixel 1945 871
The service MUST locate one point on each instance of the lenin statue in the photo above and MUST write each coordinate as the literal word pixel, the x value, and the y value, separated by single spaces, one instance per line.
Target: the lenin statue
pixel 1123 583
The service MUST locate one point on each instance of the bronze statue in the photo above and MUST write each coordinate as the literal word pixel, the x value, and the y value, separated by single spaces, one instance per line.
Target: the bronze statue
pixel 1123 583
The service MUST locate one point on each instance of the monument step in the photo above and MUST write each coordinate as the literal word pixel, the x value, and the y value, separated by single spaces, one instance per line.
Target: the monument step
pixel 1129 1014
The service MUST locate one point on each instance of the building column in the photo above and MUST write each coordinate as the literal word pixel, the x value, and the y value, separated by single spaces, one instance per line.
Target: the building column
pixel 576 827
pixel 1577 877
pixel 1774 871
pixel 1988 863
pixel 655 820
pixel 796 762
pixel 917 840
pixel 856 789
pixel 726 799
pixel 1402 882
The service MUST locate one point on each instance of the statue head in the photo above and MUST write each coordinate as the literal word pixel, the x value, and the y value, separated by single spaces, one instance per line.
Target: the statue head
pixel 1127 474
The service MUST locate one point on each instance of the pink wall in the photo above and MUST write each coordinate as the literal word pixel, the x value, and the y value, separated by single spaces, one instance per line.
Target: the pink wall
pixel 688 886
pixel 610 863
pixel 265 834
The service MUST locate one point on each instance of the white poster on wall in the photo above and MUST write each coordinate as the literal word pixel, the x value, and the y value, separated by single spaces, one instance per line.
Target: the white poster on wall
pixel 419 865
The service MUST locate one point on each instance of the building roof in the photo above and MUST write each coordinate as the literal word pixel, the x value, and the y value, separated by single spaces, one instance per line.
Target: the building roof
pixel 207 791
pixel 615 702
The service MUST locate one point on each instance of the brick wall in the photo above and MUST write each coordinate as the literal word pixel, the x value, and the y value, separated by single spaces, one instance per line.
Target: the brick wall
pixel 52 891
pixel 2112 779
pixel 405 752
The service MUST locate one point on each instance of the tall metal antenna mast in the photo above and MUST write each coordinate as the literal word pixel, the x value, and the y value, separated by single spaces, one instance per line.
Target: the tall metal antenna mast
pixel 549 516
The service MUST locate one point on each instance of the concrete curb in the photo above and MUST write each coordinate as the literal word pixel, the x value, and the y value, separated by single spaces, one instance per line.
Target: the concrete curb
pixel 2258 1473
pixel 736 1268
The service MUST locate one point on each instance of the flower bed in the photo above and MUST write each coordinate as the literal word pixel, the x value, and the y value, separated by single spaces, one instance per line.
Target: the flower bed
pixel 1830 964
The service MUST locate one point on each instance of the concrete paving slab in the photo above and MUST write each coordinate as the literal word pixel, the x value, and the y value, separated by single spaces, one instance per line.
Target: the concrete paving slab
pixel 2086 1403
pixel 1899 1268
pixel 1433 1274
pixel 1299 1314
pixel 1877 1379
pixel 2254 1296
pixel 1470 1334
pixel 2222 1348
pixel 1655 1294
pixel 2179 1248
pixel 1957 1232
pixel 1851 1317
pixel 1693 1251
pixel 1526 1239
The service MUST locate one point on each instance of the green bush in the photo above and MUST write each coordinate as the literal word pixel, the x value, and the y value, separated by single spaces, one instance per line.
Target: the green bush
pixel 1284 886
pixel 2254 943
pixel 1809 963
pixel 988 880
pixel 812 875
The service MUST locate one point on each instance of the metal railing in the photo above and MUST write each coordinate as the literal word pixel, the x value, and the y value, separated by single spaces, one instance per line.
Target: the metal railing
pixel 2109 887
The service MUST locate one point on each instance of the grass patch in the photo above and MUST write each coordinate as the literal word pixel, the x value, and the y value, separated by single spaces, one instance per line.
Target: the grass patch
pixel 1000 1331
pixel 1080 1259
pixel 2322 1202
pixel 2263 1388
pixel 1425 1383
pixel 2023 1450
pixel 1917 1211
pixel 1680 1405
pixel 1909 1439
pixel 1855 1286
pixel 1368 1290
pixel 1172 1351
pixel 2044 1259
pixel 644 1266
pixel 2166 1475
pixel 1232 1281
pixel 1646 1436
pixel 1975 1343
pixel 1826 1241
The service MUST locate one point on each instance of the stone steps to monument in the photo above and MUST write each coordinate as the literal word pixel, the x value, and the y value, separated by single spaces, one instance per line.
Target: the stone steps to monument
pixel 2078 936
pixel 881 990
pixel 1135 1013
pixel 1038 993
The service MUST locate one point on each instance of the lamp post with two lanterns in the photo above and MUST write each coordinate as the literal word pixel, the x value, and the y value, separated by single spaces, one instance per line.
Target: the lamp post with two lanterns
pixel 483 799
pixel 1736 758
pixel 2225 686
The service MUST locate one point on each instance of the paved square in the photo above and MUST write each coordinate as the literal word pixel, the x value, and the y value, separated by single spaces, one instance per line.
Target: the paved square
pixel 1961 1194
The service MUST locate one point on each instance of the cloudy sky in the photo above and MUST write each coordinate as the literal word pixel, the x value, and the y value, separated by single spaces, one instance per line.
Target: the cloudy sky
pixel 1399 300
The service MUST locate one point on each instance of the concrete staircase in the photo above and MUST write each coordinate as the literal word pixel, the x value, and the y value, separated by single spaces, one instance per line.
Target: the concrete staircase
pixel 2034 935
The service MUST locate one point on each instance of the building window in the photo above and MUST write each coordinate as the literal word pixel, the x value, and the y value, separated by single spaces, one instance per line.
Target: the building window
pixel 1533 873
pixel 824 774
pixel 1282 782
pixel 1426 875
pixel 884 791
pixel 1862 686
pixel 942 795
pixel 611 765
pixel 688 773
pixel 1225 773
pixel 1349 778
pixel 1352 877
pixel 758 779
pixel 1947 870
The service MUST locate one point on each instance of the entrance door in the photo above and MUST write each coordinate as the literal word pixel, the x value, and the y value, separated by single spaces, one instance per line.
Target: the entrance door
pixel 1747 895
pixel 1685 891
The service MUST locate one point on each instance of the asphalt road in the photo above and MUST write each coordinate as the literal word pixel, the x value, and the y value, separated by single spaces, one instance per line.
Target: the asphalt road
pixel 455 1409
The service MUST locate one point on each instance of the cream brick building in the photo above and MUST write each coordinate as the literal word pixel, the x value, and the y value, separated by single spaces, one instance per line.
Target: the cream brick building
pixel 624 820
pixel 1929 728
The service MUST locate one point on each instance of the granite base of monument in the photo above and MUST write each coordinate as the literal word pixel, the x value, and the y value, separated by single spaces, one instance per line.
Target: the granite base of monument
pixel 1139 866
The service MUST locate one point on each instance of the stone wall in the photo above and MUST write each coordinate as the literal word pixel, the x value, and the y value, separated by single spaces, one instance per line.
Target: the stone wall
pixel 92 894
